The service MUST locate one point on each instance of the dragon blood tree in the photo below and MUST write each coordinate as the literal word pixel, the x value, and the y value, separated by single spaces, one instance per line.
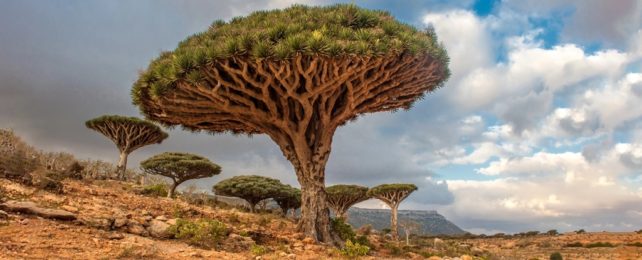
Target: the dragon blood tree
pixel 392 195
pixel 128 133
pixel 180 167
pixel 296 75
pixel 251 188
pixel 342 197
pixel 289 199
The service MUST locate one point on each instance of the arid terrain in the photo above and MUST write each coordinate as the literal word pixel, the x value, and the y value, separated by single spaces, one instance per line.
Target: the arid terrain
pixel 114 222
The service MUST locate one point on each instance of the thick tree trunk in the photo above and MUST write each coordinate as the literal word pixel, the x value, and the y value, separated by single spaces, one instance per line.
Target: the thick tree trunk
pixel 252 207
pixel 315 215
pixel 393 222
pixel 122 166
pixel 172 189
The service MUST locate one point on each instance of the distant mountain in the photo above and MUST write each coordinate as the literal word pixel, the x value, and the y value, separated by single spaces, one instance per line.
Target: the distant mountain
pixel 432 223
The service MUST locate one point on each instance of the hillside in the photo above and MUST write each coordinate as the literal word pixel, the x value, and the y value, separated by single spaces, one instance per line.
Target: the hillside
pixel 431 222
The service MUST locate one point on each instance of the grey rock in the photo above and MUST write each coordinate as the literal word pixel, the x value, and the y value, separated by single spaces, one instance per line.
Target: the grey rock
pixel 28 207
pixel 158 229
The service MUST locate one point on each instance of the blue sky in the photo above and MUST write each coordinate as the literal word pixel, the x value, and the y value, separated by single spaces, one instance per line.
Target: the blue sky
pixel 538 127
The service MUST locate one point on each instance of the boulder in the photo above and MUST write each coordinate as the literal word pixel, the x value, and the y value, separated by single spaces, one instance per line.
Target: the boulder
pixel 28 207
pixel 158 229
pixel 120 222
pixel 103 223
pixel 136 229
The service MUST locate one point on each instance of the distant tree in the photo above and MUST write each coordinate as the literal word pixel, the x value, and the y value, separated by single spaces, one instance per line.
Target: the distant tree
pixel 392 195
pixel 288 199
pixel 552 232
pixel 251 188
pixel 296 75
pixel 409 227
pixel 180 167
pixel 128 133
pixel 341 197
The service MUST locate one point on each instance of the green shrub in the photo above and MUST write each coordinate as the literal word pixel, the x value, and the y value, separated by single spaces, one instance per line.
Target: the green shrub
pixel 156 190
pixel 364 241
pixel 552 232
pixel 599 244
pixel 206 233
pixel 258 250
pixel 386 231
pixel 342 229
pixel 556 256
pixel 581 231
pixel 354 249
pixel 636 244
pixel 394 250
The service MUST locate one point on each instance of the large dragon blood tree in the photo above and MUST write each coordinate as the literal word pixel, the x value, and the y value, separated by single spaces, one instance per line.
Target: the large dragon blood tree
pixel 128 133
pixel 295 74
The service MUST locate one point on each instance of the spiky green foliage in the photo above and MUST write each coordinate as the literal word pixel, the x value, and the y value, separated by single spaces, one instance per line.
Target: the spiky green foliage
pixel 180 167
pixel 93 123
pixel 289 198
pixel 341 197
pixel 391 188
pixel 330 31
pixel 252 188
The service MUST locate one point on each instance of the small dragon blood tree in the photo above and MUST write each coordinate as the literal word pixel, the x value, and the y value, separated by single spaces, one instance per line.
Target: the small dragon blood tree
pixel 341 197
pixel 392 195
pixel 251 188
pixel 180 167
pixel 128 133
pixel 296 75
pixel 288 199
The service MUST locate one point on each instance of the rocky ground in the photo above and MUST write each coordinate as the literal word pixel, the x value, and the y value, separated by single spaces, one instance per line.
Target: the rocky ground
pixel 110 220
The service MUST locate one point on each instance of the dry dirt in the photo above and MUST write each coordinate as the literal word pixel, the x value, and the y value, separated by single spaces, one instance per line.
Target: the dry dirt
pixel 31 237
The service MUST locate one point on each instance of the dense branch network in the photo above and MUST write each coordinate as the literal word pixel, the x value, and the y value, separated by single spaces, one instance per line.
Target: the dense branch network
pixel 297 97
pixel 128 133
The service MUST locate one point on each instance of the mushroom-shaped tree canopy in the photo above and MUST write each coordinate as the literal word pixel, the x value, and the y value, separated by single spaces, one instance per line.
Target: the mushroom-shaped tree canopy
pixel 392 195
pixel 341 197
pixel 252 188
pixel 295 74
pixel 128 133
pixel 180 167
pixel 290 198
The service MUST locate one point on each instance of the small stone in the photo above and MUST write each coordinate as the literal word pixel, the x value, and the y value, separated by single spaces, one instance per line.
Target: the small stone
pixel 115 236
pixel 136 229
pixel 24 221
pixel 171 221
pixel 69 208
pixel 4 215
pixel 145 213
pixel 282 254
pixel 466 257
pixel 258 258
pixel 161 218
pixel 120 222
pixel 291 256
pixel 435 258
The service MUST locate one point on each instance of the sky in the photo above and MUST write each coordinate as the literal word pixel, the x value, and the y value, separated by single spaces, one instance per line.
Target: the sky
pixel 538 128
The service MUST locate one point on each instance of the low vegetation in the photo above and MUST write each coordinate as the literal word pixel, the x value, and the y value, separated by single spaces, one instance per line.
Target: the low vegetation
pixel 206 233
